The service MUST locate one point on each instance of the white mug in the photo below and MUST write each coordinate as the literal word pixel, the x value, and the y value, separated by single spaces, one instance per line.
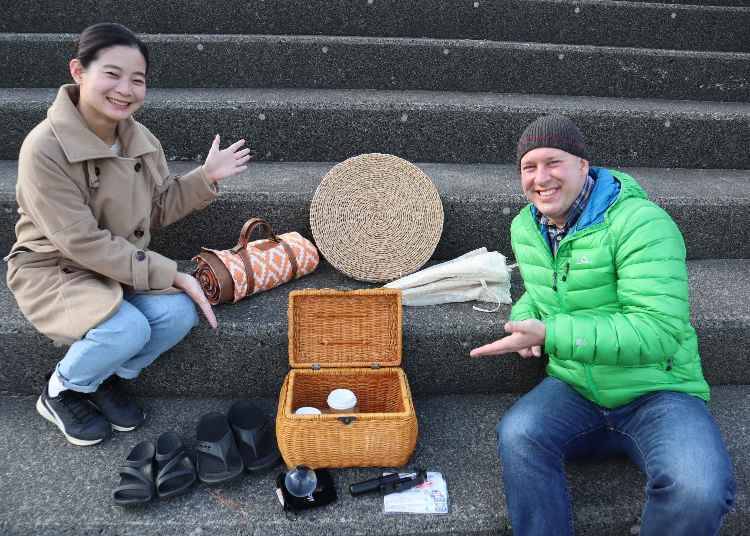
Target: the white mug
pixel 342 401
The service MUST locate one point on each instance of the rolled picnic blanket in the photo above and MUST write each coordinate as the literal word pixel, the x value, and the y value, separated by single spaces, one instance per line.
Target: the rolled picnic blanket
pixel 229 275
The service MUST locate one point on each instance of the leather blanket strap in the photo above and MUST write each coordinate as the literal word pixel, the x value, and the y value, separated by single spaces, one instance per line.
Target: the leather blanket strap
pixel 249 275
pixel 247 262
pixel 247 231
pixel 241 247
pixel 292 257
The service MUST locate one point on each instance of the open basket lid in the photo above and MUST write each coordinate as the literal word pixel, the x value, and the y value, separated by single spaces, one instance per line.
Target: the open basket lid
pixel 345 328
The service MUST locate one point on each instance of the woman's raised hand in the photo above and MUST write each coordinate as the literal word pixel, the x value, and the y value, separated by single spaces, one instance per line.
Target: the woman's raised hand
pixel 223 163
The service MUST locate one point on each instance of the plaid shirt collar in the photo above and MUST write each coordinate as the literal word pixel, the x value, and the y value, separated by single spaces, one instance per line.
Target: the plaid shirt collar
pixel 553 233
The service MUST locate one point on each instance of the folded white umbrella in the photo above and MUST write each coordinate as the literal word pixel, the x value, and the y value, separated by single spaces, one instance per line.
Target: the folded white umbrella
pixel 477 275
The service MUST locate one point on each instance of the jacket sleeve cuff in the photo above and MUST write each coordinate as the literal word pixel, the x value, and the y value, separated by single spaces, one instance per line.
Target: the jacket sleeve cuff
pixel 202 189
pixel 152 271
pixel 549 336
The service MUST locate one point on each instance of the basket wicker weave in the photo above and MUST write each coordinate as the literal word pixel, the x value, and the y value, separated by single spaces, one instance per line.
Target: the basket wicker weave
pixel 376 217
pixel 352 340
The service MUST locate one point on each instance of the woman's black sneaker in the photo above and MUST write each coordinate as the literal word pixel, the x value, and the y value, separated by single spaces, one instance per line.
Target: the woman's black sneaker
pixel 119 410
pixel 75 416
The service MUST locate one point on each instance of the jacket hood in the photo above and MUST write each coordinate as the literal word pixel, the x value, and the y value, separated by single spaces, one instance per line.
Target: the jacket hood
pixel 78 141
pixel 610 187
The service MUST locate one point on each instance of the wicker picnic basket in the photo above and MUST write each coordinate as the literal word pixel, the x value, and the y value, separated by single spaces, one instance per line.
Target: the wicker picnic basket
pixel 351 340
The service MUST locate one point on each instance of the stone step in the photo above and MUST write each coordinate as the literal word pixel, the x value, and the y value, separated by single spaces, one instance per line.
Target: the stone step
pixel 422 126
pixel 330 62
pixel 650 25
pixel 745 3
pixel 479 202
pixel 72 485
pixel 249 352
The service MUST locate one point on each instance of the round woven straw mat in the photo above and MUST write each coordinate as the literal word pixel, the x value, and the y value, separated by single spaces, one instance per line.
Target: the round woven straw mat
pixel 376 217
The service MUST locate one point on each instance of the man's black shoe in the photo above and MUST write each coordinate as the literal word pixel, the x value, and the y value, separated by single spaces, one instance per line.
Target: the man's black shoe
pixel 75 416
pixel 120 411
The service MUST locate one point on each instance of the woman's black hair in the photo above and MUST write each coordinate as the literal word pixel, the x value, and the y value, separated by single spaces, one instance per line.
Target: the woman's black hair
pixel 105 35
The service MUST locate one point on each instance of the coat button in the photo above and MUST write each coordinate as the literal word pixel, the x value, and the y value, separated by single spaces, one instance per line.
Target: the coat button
pixel 97 171
pixel 138 233
pixel 140 255
pixel 138 166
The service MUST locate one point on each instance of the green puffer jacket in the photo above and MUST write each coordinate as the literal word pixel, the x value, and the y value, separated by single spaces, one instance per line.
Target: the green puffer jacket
pixel 615 298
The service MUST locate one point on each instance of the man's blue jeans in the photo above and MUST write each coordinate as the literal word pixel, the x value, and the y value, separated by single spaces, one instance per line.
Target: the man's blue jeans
pixel 145 326
pixel 670 436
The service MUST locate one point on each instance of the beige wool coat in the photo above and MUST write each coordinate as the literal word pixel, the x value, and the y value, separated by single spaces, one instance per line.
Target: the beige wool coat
pixel 86 217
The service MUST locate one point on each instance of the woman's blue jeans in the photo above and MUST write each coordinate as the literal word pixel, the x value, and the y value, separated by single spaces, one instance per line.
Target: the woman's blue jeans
pixel 670 436
pixel 144 327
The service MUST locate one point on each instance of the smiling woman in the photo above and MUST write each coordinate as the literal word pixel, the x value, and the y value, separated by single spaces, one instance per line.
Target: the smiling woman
pixel 112 88
pixel 92 185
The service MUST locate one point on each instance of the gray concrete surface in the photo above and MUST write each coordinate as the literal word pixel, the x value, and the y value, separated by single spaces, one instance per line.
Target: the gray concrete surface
pixel 50 487
pixel 330 62
pixel 745 3
pixel 650 25
pixel 249 352
pixel 331 125
pixel 479 202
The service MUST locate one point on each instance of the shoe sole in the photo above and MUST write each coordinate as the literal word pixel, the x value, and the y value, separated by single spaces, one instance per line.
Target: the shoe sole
pixel 117 427
pixel 47 414
pixel 223 480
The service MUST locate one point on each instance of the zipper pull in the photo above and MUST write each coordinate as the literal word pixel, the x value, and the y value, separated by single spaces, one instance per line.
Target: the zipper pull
pixel 554 280
pixel 567 269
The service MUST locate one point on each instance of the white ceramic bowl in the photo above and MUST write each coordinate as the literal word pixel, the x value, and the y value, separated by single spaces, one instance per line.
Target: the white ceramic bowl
pixel 308 410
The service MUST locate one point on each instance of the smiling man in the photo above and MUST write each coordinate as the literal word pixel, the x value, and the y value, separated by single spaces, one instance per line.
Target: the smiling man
pixel 607 301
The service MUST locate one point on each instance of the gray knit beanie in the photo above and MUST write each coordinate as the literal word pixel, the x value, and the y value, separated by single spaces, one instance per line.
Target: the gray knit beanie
pixel 554 131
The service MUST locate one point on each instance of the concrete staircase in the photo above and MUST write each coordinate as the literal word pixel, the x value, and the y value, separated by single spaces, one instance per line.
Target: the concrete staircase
pixel 660 90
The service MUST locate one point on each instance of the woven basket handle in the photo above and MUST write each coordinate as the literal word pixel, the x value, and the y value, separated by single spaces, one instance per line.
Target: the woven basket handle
pixel 249 227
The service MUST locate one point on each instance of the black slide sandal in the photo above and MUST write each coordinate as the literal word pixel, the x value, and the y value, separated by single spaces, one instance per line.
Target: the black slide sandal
pixel 255 435
pixel 175 470
pixel 136 476
pixel 217 457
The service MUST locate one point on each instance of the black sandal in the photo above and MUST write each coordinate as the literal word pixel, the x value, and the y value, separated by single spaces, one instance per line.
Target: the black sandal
pixel 255 435
pixel 136 476
pixel 218 459
pixel 175 469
